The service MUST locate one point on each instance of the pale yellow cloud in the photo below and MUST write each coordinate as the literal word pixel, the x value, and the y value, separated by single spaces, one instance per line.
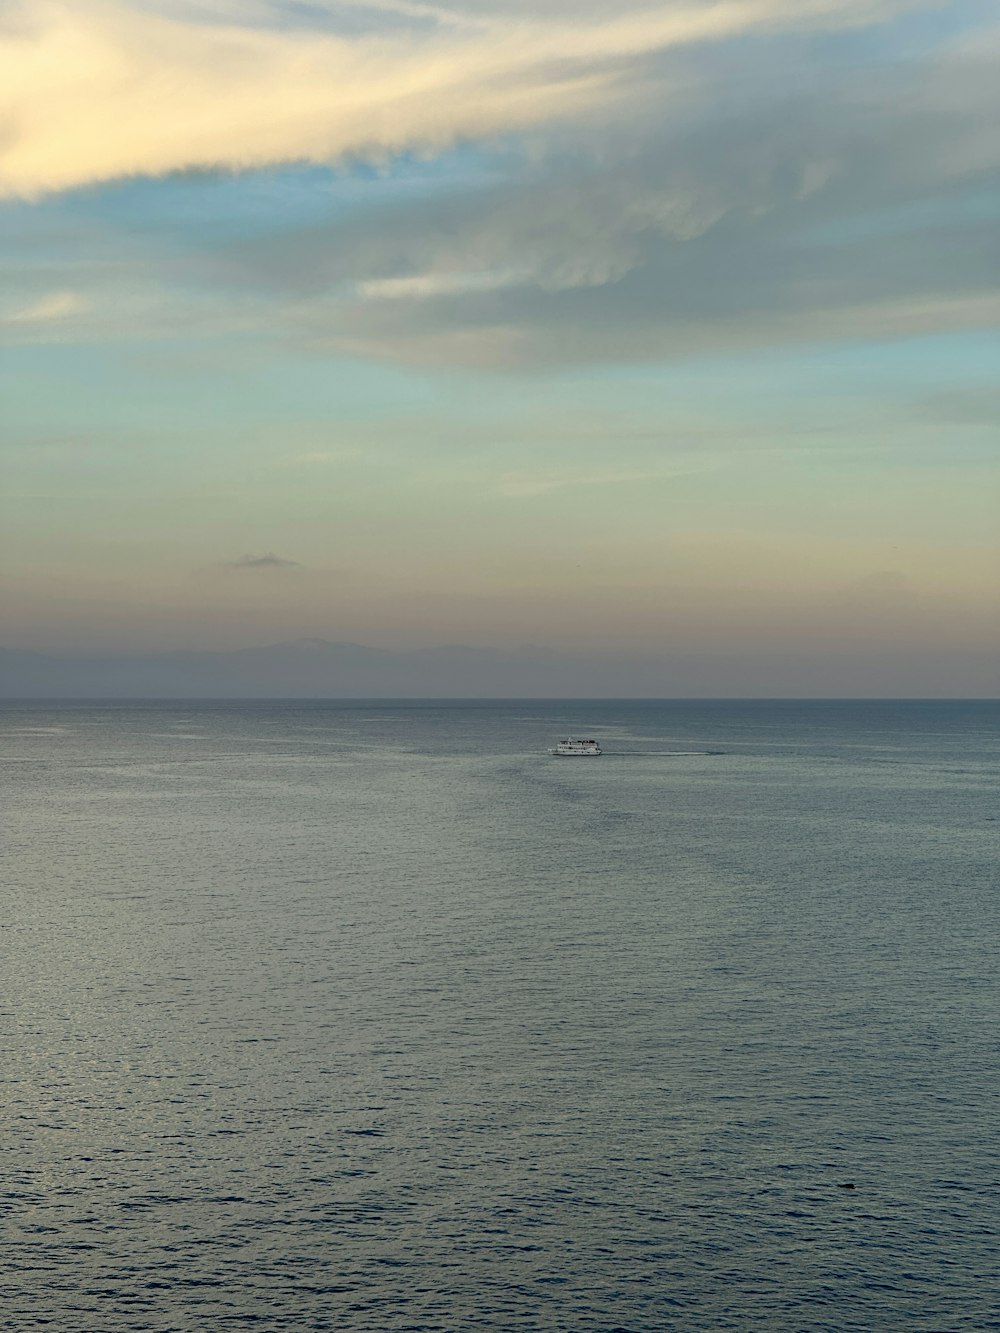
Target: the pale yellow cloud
pixel 50 308
pixel 423 285
pixel 94 91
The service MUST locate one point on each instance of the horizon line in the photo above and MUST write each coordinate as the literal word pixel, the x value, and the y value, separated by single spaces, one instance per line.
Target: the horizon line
pixel 493 699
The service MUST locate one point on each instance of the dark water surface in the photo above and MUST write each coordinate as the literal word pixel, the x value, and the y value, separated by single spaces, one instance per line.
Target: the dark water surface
pixel 368 1017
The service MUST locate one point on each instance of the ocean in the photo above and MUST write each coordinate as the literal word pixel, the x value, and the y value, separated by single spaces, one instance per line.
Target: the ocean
pixel 370 1016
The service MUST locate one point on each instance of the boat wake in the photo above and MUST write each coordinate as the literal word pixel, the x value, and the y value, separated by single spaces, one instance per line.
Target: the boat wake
pixel 660 754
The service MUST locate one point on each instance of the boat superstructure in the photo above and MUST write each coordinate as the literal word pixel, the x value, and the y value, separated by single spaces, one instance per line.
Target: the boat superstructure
pixel 576 747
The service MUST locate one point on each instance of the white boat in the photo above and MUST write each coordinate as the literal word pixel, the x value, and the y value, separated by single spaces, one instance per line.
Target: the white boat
pixel 570 746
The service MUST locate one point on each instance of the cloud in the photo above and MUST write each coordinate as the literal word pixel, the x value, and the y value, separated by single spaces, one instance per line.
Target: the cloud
pixel 522 485
pixel 703 192
pixel 422 285
pixel 766 214
pixel 94 90
pixel 266 561
pixel 48 309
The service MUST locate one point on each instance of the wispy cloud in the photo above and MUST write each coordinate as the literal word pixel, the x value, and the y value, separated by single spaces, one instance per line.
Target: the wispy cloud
pixel 764 216
pixel 422 285
pixel 524 485
pixel 97 90
pixel 51 308
pixel 266 561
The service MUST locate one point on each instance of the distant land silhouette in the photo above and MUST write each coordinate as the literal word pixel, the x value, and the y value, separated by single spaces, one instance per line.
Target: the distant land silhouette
pixel 300 668
pixel 320 668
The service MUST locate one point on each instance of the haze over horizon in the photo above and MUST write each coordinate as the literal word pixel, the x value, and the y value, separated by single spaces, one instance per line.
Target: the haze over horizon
pixel 654 333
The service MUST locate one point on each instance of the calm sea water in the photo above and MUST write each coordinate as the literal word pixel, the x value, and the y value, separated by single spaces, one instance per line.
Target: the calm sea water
pixel 368 1017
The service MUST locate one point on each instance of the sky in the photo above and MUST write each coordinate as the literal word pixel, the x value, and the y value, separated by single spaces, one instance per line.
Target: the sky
pixel 618 330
